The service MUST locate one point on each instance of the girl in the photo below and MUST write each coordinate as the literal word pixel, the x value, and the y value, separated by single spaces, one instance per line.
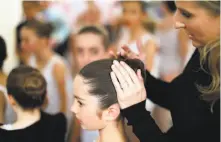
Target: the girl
pixel 26 93
pixel 36 37
pixel 95 104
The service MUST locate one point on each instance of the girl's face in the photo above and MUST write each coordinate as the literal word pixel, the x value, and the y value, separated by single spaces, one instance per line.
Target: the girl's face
pixel 86 107
pixel 92 50
pixel 132 13
pixel 198 23
pixel 31 42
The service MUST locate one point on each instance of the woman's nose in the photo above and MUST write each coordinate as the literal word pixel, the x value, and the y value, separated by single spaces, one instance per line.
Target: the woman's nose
pixel 179 25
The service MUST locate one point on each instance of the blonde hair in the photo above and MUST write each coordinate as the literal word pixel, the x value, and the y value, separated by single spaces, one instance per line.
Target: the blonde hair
pixel 210 55
pixel 213 7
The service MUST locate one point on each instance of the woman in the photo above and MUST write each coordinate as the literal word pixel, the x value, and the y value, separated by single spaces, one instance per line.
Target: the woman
pixel 193 97
pixel 95 104
pixel 30 9
pixel 35 36
pixel 7 115
pixel 26 93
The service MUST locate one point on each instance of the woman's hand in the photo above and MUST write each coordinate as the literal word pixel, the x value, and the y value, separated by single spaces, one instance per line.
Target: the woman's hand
pixel 130 87
pixel 128 53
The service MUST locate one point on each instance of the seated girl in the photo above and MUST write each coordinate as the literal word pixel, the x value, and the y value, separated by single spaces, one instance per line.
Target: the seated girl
pixel 95 105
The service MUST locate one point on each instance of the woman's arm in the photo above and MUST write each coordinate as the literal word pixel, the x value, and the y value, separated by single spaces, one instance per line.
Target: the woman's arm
pixel 158 91
pixel 143 124
pixel 59 74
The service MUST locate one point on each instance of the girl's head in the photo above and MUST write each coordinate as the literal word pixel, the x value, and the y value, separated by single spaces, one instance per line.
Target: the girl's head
pixel 94 49
pixel 200 20
pixel 134 12
pixel 96 103
pixel 26 88
pixel 35 35
pixel 3 52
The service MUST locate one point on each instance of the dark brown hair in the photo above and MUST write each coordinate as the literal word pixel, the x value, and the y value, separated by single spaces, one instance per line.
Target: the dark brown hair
pixel 27 86
pixel 97 30
pixel 41 28
pixel 97 75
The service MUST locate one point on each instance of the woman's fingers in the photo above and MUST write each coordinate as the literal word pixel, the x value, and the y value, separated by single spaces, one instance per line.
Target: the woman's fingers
pixel 126 49
pixel 116 83
pixel 124 74
pixel 111 53
pixel 129 53
pixel 131 73
pixel 120 77
pixel 139 75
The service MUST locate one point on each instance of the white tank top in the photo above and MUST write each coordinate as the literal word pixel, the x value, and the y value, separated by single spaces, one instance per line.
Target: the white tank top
pixel 52 88
pixel 10 115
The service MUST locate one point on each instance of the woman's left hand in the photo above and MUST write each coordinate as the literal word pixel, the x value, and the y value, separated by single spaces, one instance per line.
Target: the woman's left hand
pixel 130 87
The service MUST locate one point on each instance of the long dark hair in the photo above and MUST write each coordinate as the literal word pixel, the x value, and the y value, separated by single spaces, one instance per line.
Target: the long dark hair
pixel 27 86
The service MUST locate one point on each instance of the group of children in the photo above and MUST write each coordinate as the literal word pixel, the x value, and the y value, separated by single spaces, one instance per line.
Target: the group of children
pixel 50 91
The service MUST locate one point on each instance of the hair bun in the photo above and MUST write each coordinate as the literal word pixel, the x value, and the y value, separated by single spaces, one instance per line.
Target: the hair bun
pixel 135 64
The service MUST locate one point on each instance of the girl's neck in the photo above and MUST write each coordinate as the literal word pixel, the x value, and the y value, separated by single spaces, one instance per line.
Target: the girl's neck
pixel 43 57
pixel 26 118
pixel 112 132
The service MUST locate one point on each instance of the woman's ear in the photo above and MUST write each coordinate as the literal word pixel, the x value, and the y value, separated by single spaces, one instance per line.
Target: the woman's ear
pixel 112 113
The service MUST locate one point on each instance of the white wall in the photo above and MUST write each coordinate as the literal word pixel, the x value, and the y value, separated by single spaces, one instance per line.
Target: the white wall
pixel 10 15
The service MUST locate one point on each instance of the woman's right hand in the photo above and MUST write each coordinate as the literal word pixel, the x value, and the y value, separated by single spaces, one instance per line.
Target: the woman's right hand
pixel 126 52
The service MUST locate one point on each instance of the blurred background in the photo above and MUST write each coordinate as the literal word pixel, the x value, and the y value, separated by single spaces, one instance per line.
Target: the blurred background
pixel 112 24
pixel 71 11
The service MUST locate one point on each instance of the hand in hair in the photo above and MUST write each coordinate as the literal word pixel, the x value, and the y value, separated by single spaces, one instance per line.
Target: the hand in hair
pixel 126 52
pixel 130 87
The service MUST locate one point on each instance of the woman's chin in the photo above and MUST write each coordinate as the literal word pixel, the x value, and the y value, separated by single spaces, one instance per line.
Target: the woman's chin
pixel 197 44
